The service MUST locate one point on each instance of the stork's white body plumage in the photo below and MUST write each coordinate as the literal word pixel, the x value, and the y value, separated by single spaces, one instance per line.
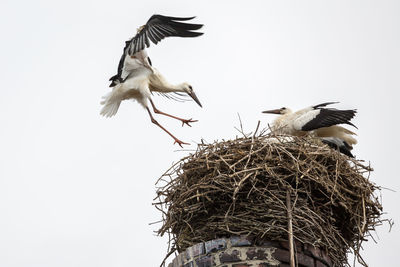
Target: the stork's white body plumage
pixel 139 85
pixel 137 79
pixel 135 87
pixel 316 121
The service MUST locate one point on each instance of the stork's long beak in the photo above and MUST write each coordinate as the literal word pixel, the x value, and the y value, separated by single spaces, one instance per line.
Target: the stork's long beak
pixel 273 111
pixel 193 95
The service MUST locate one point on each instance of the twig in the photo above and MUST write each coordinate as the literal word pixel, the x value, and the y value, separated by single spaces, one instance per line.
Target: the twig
pixel 290 227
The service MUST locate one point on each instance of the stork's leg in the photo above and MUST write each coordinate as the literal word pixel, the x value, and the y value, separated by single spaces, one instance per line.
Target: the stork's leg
pixel 177 118
pixel 180 143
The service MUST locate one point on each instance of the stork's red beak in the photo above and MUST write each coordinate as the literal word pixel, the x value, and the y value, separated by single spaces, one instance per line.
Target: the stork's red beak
pixel 193 95
pixel 273 111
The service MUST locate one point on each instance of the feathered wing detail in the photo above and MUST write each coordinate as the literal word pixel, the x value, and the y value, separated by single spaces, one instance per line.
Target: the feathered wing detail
pixel 328 117
pixel 129 65
pixel 175 96
pixel 157 28
pixel 339 144
pixel 324 105
pixel 117 78
pixel 337 132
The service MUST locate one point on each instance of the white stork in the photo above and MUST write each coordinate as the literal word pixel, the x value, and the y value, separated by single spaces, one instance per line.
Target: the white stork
pixel 137 79
pixel 317 121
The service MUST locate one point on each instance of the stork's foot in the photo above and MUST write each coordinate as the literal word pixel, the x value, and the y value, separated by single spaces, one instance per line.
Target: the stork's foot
pixel 177 141
pixel 180 143
pixel 187 122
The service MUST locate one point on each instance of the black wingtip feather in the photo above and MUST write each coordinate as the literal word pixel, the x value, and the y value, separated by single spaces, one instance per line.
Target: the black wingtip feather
pixel 112 84
pixel 349 123
pixel 170 18
pixel 189 34
pixel 113 78
pixel 324 104
pixel 185 26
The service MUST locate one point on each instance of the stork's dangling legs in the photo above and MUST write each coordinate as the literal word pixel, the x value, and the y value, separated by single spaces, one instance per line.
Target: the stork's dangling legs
pixel 177 118
pixel 137 79
pixel 180 143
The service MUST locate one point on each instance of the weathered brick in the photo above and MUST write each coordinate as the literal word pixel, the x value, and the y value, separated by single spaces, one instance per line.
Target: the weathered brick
pixel 320 264
pixel 281 255
pixel 327 259
pixel 305 260
pixel 205 261
pixel 241 265
pixel 265 264
pixel 312 251
pixel 274 244
pixel 256 254
pixel 297 245
pixel 215 245
pixel 240 241
pixel 234 256
pixel 175 262
pixel 318 254
pixel 181 259
pixel 189 264
pixel 194 251
pixel 231 256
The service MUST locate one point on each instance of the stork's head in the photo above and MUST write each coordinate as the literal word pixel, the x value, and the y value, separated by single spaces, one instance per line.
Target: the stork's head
pixel 279 111
pixel 187 88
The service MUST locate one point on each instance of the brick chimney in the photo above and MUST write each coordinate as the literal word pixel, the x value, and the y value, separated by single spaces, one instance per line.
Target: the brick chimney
pixel 243 252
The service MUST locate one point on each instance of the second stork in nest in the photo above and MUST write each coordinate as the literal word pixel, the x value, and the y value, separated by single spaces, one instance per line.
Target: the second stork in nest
pixel 320 122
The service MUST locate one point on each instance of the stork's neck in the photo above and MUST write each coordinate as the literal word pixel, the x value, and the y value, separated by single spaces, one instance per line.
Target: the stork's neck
pixel 159 84
pixel 281 123
pixel 176 87
pixel 167 87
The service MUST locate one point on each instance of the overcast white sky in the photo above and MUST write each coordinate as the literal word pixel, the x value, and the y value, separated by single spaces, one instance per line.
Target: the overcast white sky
pixel 76 189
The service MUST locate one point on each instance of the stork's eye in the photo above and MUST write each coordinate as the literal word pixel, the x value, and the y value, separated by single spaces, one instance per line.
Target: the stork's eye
pixel 190 87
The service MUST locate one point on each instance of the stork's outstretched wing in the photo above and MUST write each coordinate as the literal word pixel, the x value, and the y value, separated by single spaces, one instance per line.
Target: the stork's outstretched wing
pixel 157 28
pixel 324 117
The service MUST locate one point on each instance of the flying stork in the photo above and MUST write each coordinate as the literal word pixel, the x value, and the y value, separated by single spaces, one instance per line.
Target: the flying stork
pixel 317 121
pixel 136 78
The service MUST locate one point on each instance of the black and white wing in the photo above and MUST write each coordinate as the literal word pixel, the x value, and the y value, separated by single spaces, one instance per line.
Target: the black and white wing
pixel 339 144
pixel 317 117
pixel 157 28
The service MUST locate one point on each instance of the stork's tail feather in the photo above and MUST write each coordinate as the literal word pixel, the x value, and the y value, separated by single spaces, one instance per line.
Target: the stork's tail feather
pixel 111 105
pixel 337 143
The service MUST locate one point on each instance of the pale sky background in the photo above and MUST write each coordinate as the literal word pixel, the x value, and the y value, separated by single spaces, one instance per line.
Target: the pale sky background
pixel 76 189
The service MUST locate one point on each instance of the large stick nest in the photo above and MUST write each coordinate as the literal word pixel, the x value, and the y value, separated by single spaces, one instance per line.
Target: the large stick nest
pixel 239 187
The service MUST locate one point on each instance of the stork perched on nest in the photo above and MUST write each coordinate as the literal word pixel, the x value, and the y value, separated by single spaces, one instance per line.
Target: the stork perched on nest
pixel 320 122
pixel 137 79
